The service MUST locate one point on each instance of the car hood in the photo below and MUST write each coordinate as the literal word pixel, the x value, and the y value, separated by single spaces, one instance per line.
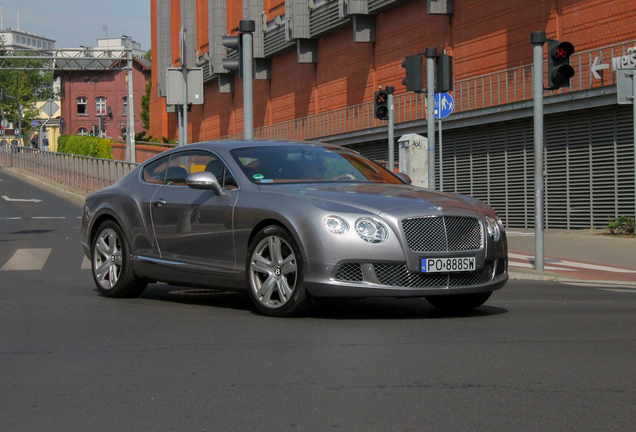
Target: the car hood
pixel 379 198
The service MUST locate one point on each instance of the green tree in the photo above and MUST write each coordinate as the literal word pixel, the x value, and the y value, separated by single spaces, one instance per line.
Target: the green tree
pixel 145 107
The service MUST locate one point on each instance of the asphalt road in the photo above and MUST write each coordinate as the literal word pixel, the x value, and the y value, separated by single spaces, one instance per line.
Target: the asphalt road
pixel 539 356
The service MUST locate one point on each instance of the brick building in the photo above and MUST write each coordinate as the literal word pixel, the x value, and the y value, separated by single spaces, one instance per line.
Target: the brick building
pixel 318 63
pixel 94 97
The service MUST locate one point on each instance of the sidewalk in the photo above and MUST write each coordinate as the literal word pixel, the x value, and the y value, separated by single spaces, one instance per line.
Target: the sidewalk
pixel 589 255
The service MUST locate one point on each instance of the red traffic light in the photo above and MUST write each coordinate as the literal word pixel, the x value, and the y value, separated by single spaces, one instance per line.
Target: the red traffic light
pixel 559 69
pixel 381 109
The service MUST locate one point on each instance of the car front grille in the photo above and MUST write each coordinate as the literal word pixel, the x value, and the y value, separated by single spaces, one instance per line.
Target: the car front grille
pixel 443 234
pixel 398 275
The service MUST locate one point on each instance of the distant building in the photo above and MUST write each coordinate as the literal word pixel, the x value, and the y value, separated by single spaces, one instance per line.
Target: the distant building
pixel 95 102
pixel 18 39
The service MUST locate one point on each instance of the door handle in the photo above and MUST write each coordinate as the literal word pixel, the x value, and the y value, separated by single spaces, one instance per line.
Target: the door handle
pixel 159 203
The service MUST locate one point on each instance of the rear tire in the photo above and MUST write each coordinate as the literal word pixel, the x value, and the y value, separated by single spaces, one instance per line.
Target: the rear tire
pixel 112 271
pixel 458 302
pixel 275 274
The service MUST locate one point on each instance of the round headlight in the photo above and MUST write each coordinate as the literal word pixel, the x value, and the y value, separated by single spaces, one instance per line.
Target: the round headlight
pixel 493 228
pixel 371 230
pixel 336 225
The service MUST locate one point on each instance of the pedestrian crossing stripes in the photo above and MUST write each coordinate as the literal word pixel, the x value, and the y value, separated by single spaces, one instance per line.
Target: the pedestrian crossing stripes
pixel 34 259
pixel 27 259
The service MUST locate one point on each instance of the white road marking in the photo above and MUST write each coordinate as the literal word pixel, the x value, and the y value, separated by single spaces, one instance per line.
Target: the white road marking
pixel 48 217
pixel 27 259
pixel 519 234
pixel 601 284
pixel 6 198
pixel 632 291
pixel 528 265
pixel 12 218
pixel 574 264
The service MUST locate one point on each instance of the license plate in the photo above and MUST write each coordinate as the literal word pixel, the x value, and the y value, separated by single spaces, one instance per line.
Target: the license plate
pixel 446 265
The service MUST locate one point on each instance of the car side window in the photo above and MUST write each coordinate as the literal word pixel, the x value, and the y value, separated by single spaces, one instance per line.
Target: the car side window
pixel 155 172
pixel 185 163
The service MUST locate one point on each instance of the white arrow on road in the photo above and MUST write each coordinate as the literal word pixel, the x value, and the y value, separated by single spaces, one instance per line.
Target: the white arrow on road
pixel 598 66
pixel 6 198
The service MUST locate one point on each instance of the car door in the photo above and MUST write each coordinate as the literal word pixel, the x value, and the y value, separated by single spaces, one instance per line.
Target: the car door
pixel 194 228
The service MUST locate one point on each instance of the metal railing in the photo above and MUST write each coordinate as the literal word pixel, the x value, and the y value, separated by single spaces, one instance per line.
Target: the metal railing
pixel 497 88
pixel 79 172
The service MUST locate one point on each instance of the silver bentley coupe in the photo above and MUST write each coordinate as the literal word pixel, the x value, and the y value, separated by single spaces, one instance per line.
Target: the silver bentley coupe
pixel 290 223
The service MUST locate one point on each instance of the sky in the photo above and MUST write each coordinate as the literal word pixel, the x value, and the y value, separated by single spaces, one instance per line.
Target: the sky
pixel 72 23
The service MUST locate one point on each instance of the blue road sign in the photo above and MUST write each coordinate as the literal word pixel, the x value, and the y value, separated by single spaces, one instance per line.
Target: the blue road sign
pixel 443 105
pixel 34 123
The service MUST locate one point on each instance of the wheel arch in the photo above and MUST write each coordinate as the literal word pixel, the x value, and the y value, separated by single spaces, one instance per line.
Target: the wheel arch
pixel 98 221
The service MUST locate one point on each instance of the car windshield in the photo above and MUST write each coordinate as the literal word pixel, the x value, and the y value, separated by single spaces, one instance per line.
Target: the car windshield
pixel 308 163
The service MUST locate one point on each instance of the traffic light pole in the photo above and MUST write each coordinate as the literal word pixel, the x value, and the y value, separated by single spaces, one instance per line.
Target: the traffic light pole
pixel 430 54
pixel 183 117
pixel 130 105
pixel 390 90
pixel 538 39
pixel 247 27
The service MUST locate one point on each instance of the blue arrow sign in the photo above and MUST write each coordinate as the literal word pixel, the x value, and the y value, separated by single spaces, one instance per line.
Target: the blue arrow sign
pixel 443 105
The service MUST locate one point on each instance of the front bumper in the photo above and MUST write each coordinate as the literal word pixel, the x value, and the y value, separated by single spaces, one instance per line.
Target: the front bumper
pixel 355 279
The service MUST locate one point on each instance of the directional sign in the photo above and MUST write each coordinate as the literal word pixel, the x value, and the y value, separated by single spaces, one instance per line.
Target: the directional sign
pixel 50 108
pixel 443 105
pixel 598 66
pixel 625 86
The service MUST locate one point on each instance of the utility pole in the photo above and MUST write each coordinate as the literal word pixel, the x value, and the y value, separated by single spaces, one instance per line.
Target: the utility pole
pixel 131 153
pixel 390 90
pixel 183 130
pixel 247 27
pixel 538 39
pixel 430 54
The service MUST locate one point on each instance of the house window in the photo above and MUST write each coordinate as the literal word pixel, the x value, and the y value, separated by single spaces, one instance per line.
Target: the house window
pixel 82 131
pixel 81 105
pixel 124 106
pixel 100 106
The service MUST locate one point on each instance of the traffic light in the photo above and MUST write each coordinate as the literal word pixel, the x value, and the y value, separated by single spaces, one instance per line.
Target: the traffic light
pixel 381 100
pixel 21 133
pixel 93 130
pixel 233 64
pixel 444 73
pixel 413 79
pixel 559 69
pixel 101 126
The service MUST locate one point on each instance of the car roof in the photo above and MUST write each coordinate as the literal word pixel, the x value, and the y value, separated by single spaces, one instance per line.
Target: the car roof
pixel 224 146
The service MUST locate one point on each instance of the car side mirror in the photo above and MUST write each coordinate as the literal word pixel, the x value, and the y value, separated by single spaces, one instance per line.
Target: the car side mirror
pixel 404 177
pixel 204 180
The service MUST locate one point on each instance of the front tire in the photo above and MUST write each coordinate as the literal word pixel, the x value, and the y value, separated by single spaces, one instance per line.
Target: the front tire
pixel 111 267
pixel 275 274
pixel 459 302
